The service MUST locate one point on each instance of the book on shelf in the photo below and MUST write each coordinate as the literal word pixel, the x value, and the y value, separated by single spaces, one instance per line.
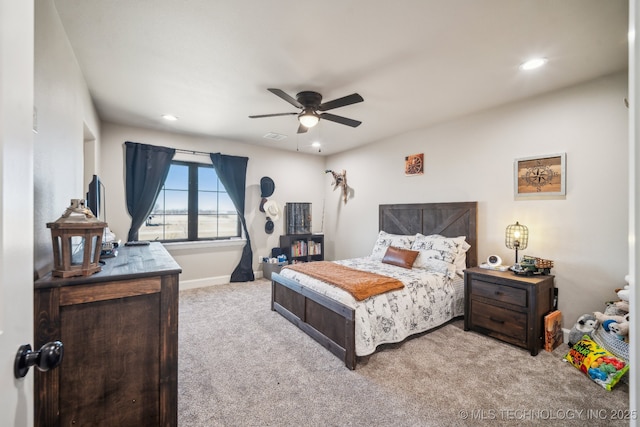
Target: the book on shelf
pixel 315 248
pixel 299 248
pixel 553 335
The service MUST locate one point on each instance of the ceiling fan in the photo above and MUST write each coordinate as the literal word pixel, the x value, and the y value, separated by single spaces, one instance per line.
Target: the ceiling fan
pixel 311 103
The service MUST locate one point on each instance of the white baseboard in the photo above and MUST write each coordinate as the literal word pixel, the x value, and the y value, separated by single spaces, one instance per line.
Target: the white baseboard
pixel 210 281
pixel 565 335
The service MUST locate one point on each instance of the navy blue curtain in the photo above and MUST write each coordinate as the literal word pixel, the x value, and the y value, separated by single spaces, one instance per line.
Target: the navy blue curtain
pixel 146 168
pixel 232 172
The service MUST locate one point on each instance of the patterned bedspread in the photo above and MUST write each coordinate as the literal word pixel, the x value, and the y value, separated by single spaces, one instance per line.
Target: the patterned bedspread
pixel 428 300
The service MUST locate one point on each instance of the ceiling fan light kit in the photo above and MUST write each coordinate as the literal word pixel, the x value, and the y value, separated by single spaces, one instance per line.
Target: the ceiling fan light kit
pixel 308 118
pixel 310 103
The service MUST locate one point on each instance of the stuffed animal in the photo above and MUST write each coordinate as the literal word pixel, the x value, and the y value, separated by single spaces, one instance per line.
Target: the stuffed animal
pixel 586 324
pixel 620 330
pixel 622 306
pixel 623 293
pixel 601 317
pixel 606 323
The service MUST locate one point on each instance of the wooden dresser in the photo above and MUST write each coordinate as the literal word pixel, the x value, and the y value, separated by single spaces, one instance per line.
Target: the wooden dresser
pixel 508 307
pixel 119 328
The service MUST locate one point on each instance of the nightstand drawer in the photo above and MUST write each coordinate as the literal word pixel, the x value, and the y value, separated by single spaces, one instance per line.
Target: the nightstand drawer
pixel 502 293
pixel 501 320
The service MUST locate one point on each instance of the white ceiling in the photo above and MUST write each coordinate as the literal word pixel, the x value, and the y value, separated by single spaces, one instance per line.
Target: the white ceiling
pixel 415 62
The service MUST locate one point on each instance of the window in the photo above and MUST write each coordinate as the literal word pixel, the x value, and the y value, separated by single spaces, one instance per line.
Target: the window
pixel 192 205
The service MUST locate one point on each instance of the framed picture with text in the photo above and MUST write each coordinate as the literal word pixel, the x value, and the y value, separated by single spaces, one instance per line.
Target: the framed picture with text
pixel 540 176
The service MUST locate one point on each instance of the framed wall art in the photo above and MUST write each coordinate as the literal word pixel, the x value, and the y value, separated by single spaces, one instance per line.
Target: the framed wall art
pixel 414 164
pixel 540 176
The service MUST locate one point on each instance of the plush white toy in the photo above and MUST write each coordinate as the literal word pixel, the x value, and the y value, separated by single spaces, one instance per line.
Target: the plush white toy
pixel 622 306
pixel 623 293
pixel 604 317
pixel 620 330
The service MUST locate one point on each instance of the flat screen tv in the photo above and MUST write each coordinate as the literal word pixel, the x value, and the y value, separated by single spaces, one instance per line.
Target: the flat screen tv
pixel 95 198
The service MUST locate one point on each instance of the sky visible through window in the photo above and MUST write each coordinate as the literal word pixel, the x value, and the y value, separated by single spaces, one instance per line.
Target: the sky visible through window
pixel 174 197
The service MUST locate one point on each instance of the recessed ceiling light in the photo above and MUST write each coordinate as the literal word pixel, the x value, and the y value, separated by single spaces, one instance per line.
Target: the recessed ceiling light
pixel 170 117
pixel 315 144
pixel 533 63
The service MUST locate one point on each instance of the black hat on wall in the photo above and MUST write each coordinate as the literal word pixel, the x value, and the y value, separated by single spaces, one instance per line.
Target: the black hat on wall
pixel 268 226
pixel 266 187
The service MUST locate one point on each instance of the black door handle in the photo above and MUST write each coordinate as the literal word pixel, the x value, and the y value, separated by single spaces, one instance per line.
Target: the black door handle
pixel 48 357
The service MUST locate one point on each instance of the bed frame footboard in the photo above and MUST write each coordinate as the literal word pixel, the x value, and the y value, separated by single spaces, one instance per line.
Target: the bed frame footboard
pixel 328 322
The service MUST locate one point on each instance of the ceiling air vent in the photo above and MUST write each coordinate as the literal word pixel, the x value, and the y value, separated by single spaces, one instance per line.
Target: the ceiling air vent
pixel 274 136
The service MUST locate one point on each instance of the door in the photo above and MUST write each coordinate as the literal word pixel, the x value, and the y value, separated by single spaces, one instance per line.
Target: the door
pixel 16 205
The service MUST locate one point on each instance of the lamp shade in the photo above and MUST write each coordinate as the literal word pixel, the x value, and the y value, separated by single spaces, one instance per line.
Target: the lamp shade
pixel 517 236
pixel 308 118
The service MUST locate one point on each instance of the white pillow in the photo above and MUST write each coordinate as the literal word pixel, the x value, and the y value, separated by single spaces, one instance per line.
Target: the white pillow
pixel 437 266
pixel 385 240
pixel 461 259
pixel 447 249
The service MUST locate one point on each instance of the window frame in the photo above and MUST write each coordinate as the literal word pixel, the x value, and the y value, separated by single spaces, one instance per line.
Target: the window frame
pixel 192 205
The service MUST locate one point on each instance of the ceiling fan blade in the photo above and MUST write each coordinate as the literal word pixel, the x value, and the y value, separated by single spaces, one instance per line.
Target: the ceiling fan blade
pixel 273 115
pixel 340 102
pixel 340 119
pixel 302 129
pixel 282 94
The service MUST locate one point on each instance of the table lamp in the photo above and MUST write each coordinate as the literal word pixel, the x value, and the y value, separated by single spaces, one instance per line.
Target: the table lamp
pixel 517 237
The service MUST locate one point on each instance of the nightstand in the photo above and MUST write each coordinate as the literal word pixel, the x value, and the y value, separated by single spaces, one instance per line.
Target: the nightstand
pixel 508 307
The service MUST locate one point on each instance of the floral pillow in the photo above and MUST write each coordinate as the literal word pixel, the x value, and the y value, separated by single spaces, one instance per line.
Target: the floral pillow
pixel 440 248
pixel 436 266
pixel 385 240
pixel 461 259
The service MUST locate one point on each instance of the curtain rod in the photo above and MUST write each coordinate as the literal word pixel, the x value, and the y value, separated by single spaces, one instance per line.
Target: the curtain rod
pixel 200 153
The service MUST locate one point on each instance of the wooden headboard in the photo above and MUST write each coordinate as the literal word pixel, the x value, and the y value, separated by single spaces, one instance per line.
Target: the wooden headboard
pixel 447 219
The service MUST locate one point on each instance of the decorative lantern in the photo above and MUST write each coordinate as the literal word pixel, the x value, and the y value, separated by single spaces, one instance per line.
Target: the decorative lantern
pixel 77 241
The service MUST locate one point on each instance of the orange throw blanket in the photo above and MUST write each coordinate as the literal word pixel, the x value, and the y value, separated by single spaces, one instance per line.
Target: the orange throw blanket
pixel 360 284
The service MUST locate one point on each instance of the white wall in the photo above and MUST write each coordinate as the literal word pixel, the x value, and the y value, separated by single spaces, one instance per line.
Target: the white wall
pixel 471 159
pixel 298 177
pixel 64 109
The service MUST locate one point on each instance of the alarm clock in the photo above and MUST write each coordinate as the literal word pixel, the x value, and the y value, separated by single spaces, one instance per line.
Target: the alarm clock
pixel 494 260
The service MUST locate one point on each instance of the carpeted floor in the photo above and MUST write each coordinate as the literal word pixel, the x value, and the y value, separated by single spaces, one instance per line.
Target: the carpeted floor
pixel 240 364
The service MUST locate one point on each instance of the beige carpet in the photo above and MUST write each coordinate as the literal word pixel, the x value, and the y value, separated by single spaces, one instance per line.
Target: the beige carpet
pixel 240 364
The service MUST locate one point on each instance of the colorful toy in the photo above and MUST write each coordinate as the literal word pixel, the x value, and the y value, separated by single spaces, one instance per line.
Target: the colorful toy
pixel 606 323
pixel 586 324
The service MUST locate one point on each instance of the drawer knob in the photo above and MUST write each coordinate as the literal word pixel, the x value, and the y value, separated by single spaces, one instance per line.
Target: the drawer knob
pixel 496 320
pixel 498 293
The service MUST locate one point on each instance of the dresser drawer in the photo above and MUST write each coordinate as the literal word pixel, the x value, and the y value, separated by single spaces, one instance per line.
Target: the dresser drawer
pixel 500 320
pixel 502 293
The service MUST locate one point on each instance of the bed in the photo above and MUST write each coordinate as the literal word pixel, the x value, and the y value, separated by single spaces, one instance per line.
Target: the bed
pixel 335 319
